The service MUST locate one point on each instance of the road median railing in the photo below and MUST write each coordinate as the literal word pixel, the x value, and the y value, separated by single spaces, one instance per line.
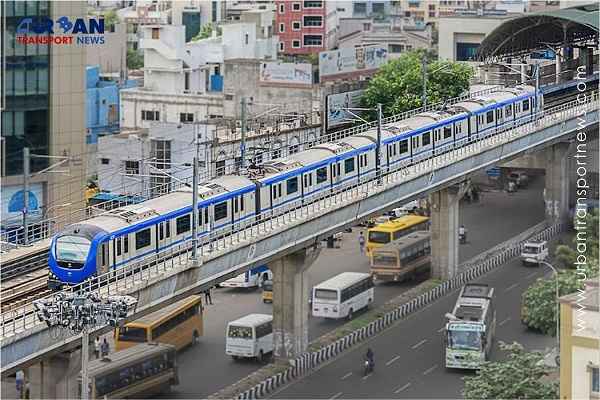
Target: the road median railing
pixel 472 270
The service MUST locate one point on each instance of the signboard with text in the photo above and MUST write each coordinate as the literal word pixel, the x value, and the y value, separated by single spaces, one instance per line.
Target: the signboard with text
pixel 350 61
pixel 337 108
pixel 286 73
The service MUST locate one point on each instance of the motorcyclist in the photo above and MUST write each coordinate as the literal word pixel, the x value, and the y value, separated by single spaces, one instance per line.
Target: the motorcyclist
pixel 462 233
pixel 370 358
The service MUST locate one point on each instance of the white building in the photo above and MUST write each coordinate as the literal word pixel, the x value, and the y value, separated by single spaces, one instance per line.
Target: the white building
pixel 183 82
pixel 148 161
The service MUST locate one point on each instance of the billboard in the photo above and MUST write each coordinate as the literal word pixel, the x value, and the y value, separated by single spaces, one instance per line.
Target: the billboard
pixel 285 73
pixel 350 61
pixel 12 203
pixel 336 105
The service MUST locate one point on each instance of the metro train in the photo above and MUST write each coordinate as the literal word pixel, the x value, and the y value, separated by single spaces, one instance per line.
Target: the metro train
pixel 120 236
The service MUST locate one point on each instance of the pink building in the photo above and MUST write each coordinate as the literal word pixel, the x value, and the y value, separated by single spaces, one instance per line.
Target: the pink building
pixel 305 27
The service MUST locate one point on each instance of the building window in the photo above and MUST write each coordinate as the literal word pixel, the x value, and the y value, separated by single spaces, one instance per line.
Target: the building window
pixel 432 7
pixel 215 5
pixel 313 40
pixel 313 20
pixel 296 44
pixel 296 6
pixel 282 8
pixel 296 26
pixel 407 14
pixel 396 48
pixel 379 8
pixel 595 389
pixel 294 148
pixel 466 51
pixel 186 117
pixel 360 9
pixel 313 4
pixel 160 151
pixel 281 28
pixel 155 33
pixel 281 46
pixel 132 167
pixel 159 185
pixel 220 167
pixel 104 161
pixel 247 38
pixel 150 115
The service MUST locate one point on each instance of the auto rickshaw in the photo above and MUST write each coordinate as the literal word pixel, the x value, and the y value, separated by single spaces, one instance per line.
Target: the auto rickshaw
pixel 267 291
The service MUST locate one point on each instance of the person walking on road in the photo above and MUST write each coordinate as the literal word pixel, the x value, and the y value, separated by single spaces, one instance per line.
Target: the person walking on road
pixel 361 243
pixel 97 345
pixel 207 296
pixel 104 348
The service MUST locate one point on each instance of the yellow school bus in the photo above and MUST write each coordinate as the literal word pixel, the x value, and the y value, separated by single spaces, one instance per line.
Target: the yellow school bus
pixel 392 230
pixel 179 324
pixel 402 258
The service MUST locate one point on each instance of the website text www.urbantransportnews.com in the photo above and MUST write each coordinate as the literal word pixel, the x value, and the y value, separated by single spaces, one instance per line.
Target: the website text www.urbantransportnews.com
pixel 582 200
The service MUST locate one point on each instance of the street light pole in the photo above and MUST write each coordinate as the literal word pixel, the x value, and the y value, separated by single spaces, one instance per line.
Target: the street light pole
pixel 195 213
pixel 243 138
pixel 424 71
pixel 557 304
pixel 378 158
pixel 26 173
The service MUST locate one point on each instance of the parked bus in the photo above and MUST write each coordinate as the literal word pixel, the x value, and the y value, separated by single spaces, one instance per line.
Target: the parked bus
pixel 402 257
pixel 250 336
pixel 395 229
pixel 249 279
pixel 179 324
pixel 342 295
pixel 470 328
pixel 141 371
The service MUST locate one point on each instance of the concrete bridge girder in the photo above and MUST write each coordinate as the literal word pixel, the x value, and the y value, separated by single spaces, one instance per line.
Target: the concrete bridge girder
pixel 29 347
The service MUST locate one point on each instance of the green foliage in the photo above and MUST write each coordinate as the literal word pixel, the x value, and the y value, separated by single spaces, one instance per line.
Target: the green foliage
pixel 110 19
pixel 206 32
pixel 135 60
pixel 538 309
pixel 398 85
pixel 520 376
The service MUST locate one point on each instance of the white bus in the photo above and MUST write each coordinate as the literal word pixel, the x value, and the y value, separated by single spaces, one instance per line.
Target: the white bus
pixel 249 279
pixel 342 295
pixel 250 336
pixel 470 328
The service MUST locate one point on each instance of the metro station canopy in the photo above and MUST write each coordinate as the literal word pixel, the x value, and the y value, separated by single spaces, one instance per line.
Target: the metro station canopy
pixel 542 31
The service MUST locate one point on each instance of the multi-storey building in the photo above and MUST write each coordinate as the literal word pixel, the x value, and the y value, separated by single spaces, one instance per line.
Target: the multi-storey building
pixel 44 110
pixel 306 27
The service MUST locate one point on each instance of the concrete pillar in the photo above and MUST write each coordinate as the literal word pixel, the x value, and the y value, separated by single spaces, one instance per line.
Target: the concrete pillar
pixel 290 305
pixel 444 232
pixel 556 193
pixel 558 66
pixel 56 377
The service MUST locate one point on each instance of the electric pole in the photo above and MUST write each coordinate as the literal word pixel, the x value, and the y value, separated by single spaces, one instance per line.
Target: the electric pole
pixel 195 213
pixel 26 164
pixel 378 158
pixel 243 139
pixel 424 71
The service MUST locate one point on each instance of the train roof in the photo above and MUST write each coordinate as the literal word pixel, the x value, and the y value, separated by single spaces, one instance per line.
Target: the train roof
pixel 139 352
pixel 222 184
pixel 358 141
pixel 311 156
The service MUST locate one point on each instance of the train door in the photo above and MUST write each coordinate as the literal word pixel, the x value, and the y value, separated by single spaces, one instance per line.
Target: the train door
pixel 120 253
pixel 103 259
pixel 335 173
pixel 237 205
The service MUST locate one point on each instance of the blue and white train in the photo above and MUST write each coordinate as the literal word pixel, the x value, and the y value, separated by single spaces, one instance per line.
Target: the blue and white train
pixel 113 239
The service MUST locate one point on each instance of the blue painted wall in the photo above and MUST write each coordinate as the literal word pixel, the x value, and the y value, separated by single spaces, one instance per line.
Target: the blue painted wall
pixel 102 104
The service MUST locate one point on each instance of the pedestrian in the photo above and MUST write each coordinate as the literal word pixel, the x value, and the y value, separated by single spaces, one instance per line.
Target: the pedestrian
pixel 207 296
pixel 361 243
pixel 20 380
pixel 27 391
pixel 97 345
pixel 104 348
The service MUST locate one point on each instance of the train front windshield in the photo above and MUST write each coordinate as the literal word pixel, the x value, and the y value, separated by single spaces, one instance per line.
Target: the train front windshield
pixel 72 249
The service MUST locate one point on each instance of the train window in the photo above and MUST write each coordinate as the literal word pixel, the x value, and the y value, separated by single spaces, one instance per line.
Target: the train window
pixel 426 138
pixel 118 242
pixel 489 117
pixel 403 146
pixel 348 165
pixel 338 167
pixel 499 113
pixel 321 175
pixel 220 211
pixel 182 224
pixel 142 239
pixel 508 110
pixel 125 244
pixel 447 132
pixel 526 105
pixel 292 185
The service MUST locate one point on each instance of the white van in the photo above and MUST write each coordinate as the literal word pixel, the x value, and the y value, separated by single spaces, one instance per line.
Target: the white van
pixel 534 252
pixel 250 336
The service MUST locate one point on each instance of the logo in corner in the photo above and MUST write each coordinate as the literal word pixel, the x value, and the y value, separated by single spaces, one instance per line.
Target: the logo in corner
pixel 63 31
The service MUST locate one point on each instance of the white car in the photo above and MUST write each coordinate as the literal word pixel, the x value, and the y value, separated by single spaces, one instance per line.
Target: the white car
pixel 534 252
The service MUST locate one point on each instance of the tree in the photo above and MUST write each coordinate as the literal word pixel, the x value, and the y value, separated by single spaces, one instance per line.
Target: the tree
pixel 206 32
pixel 520 376
pixel 398 84
pixel 110 19
pixel 135 60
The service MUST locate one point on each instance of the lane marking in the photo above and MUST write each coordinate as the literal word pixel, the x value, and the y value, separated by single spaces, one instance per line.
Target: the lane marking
pixel 419 344
pixel 335 396
pixel 430 370
pixel 504 321
pixel 347 375
pixel 392 360
pixel 366 377
pixel 511 287
pixel 402 388
pixel 531 275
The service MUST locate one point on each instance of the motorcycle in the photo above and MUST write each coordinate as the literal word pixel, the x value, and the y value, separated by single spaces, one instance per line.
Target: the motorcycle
pixel 368 367
pixel 462 238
